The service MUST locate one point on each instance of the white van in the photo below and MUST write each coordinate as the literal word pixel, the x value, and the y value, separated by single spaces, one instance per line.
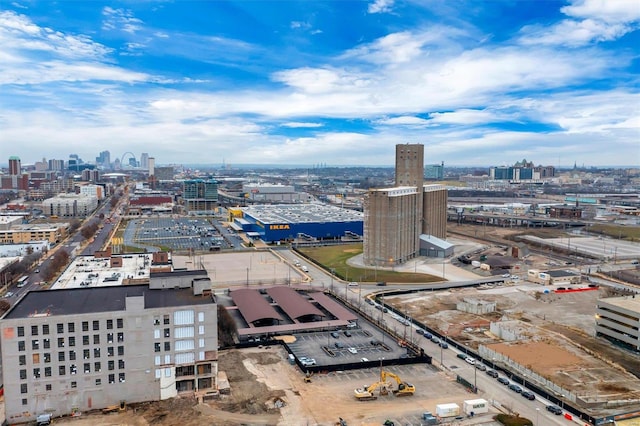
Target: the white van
pixel 304 268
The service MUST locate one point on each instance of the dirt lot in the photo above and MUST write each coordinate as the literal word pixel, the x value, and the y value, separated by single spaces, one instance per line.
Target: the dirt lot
pixel 262 381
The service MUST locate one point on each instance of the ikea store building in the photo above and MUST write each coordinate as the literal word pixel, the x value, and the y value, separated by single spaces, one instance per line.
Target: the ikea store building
pixel 286 222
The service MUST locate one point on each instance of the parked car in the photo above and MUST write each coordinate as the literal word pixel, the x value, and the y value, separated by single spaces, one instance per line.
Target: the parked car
pixel 435 340
pixel 480 366
pixel 444 345
pixel 364 359
pixel 339 345
pixel 428 335
pixel 470 360
pixel 335 335
pixel 554 409
pixel 503 381
pixel 353 350
pixel 462 356
pixel 8 294
pixel 515 388
pixel 419 331
pixel 492 373
pixel 529 395
pixel 347 333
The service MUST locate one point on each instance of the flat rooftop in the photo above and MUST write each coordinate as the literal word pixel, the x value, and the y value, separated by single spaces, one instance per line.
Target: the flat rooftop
pixel 79 301
pixel 625 302
pixel 89 271
pixel 302 213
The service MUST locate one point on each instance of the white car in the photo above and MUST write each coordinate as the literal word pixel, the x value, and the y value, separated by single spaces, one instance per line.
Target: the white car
pixel 470 360
pixel 353 284
pixel 364 359
pixel 353 350
pixel 8 294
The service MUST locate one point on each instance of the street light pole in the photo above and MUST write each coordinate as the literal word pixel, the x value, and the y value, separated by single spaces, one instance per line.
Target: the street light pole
pixel 537 413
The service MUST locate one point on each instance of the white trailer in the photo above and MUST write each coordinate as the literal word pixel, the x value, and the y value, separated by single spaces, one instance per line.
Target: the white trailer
pixel 447 410
pixel 475 406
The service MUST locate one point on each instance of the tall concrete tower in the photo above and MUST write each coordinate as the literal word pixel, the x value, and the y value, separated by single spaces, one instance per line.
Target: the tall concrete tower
pixel 410 165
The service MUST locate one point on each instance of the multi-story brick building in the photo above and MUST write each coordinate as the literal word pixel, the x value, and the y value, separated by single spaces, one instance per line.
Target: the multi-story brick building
pixel 81 349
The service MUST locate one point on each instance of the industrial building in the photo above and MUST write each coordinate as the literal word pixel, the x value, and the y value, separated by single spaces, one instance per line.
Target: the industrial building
pixel 19 234
pixel 395 218
pixel 617 319
pixel 70 205
pixel 74 350
pixel 200 195
pixel 284 222
pixel 268 192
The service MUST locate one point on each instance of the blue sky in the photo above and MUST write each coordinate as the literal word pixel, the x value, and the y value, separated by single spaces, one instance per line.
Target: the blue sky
pixel 338 82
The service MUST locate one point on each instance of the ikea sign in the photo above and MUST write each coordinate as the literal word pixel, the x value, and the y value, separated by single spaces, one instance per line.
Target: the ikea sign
pixel 279 227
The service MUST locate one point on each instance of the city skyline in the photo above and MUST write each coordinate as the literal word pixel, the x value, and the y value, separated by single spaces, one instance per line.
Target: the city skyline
pixel 339 83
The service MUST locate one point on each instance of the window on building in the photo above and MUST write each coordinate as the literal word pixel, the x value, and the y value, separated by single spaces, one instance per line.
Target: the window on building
pixel 112 378
pixel 60 327
pixel 71 327
pixel 120 337
pixel 86 354
pixel 167 346
pixel 22 360
pixel 156 320
pixel 120 350
pixel 23 374
pixel 25 401
pixel 46 343
pixel 85 325
pixel 36 373
pixel 35 358
pixel 73 369
pixel 35 345
pixel 111 365
pixel 47 372
pixel 156 347
pixel 96 352
pixel 72 355
pixel 121 364
pixel 74 385
pixel 21 346
pixel 96 339
pixel 96 325
pixel 60 356
pixel 34 330
pixel 20 331
pixel 109 337
pixel 98 382
pixel 47 357
pixel 156 334
pixel 45 328
pixel 85 340
pixel 97 367
pixel 165 319
pixel 200 316
pixel 48 387
pixel 109 324
pixel 72 340
pixel 157 360
pixel 119 323
pixel 61 342
pixel 61 370
pixel 121 377
pixel 167 332
pixel 87 367
pixel 110 351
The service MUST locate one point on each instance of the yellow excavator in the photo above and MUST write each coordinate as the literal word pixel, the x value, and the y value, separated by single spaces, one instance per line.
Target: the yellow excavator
pixel 368 393
pixel 404 388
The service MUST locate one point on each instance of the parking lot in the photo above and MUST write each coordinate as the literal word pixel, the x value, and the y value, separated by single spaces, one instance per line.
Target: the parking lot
pixel 178 234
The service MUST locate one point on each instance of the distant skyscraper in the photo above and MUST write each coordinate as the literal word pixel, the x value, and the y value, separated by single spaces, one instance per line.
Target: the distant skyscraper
pixel 104 160
pixel 14 166
pixel 56 164
pixel 434 171
pixel 144 161
pixel 151 164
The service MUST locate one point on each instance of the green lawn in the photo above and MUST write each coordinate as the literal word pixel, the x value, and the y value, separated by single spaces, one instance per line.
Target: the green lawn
pixel 629 233
pixel 335 257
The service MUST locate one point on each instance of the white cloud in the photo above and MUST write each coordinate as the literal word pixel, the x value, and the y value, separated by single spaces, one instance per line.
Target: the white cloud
pixel 605 10
pixel 299 124
pixel 380 6
pixel 405 120
pixel 120 20
pixel 465 117
pixel 589 21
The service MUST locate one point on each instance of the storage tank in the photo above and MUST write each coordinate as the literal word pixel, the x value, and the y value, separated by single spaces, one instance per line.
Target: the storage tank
pixel 447 410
